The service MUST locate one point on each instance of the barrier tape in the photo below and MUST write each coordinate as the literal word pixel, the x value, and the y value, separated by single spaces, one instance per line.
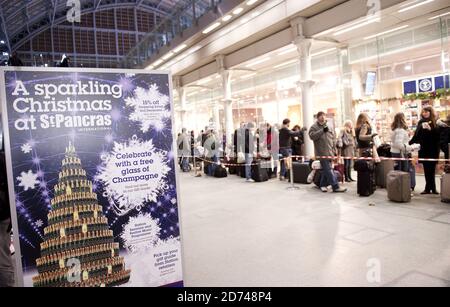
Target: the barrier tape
pixel 305 158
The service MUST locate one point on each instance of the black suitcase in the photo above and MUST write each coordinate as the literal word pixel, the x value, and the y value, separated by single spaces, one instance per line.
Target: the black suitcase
pixel 241 170
pixel 259 172
pixel 220 172
pixel 301 172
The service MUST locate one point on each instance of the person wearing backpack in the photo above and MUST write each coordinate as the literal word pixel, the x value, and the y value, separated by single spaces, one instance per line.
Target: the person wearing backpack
pixel 6 266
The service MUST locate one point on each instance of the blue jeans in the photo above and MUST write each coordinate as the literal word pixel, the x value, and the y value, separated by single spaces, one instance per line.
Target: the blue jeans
pixel 185 163
pixel 328 177
pixel 212 167
pixel 400 165
pixel 285 153
pixel 248 166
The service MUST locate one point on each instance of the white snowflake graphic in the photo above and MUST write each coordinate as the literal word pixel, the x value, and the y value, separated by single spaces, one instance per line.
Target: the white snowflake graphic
pixel 26 148
pixel 28 180
pixel 141 233
pixel 173 201
pixel 150 107
pixel 39 223
pixel 126 186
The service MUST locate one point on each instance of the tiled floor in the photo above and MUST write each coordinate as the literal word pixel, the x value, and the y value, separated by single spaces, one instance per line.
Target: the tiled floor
pixel 262 234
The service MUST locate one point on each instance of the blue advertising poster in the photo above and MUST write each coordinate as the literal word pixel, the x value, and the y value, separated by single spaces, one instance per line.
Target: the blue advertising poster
pixel 91 171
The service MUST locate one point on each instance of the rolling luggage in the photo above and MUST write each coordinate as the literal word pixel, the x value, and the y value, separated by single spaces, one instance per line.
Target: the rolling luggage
pixel 366 185
pixel 445 188
pixel 259 172
pixel 341 169
pixel 232 169
pixel 301 172
pixel 399 186
pixel 220 172
pixel 381 171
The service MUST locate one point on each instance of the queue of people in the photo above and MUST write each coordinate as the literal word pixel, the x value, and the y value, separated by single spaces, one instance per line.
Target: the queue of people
pixel 279 144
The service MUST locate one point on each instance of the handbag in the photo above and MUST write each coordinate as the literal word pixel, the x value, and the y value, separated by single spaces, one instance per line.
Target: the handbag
pixel 240 158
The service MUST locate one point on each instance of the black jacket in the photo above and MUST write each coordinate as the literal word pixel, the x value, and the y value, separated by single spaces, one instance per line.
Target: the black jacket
pixel 285 137
pixel 428 140
pixel 297 145
pixel 445 140
pixel 4 200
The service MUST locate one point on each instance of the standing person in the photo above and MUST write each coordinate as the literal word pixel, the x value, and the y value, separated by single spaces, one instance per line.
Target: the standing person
pixel 14 60
pixel 364 137
pixel 347 140
pixel 249 150
pixel 273 146
pixel 297 141
pixel 200 138
pixel 65 62
pixel 325 146
pixel 285 142
pixel 6 266
pixel 445 138
pixel 400 147
pixel 192 143
pixel 184 148
pixel 427 135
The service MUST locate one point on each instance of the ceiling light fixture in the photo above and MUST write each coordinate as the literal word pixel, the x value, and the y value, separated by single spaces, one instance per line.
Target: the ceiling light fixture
pixel 251 2
pixel 438 16
pixel 386 32
pixel 226 18
pixel 157 63
pixel 414 6
pixel 323 52
pixel 291 49
pixel 357 26
pixel 248 76
pixel 258 62
pixel 211 28
pixel 238 11
pixel 285 63
pixel 179 48
pixel 168 56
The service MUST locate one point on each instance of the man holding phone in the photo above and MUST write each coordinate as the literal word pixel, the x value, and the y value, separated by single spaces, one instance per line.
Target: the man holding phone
pixel 324 140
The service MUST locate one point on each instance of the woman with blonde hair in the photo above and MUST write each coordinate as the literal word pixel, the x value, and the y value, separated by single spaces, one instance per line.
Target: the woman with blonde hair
pixel 347 144
pixel 364 137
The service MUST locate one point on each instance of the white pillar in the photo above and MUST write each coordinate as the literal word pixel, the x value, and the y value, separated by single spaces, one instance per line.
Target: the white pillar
pixel 216 116
pixel 306 83
pixel 227 98
pixel 183 101
pixel 228 105
pixel 345 87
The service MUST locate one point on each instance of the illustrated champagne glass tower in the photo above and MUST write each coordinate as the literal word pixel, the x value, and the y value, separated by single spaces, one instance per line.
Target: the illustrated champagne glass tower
pixel 78 248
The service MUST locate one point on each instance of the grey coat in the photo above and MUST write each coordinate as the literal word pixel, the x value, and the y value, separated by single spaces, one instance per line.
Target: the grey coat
pixel 324 142
pixel 348 140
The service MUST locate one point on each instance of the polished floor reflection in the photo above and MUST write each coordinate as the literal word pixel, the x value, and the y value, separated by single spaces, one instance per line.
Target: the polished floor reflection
pixel 250 234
